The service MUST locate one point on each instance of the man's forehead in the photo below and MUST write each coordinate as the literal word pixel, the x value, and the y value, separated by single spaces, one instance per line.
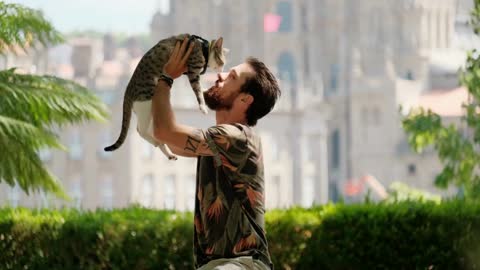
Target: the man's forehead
pixel 244 69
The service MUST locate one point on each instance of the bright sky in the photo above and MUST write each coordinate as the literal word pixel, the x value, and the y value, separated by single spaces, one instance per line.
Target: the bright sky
pixel 127 16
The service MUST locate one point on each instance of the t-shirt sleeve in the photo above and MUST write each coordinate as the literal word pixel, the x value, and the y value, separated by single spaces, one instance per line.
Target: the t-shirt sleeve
pixel 229 144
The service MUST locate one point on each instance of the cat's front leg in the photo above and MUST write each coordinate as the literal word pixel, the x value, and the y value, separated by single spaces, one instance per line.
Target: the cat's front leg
pixel 194 79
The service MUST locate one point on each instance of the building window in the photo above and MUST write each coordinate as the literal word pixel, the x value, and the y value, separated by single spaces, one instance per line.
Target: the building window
pixel 286 67
pixel 147 149
pixel 14 195
pixel 75 149
pixel 107 191
pixel 409 75
pixel 284 10
pixel 412 169
pixel 190 187
pixel 376 116
pixel 304 17
pixel 272 192
pixel 376 40
pixel 333 191
pixel 365 123
pixel 334 72
pixel 308 190
pixel 447 29
pixel 275 148
pixel 306 61
pixel 170 188
pixel 147 191
pixel 365 118
pixel 76 191
pixel 105 139
pixel 335 149
pixel 440 31
pixel 253 19
pixel 312 147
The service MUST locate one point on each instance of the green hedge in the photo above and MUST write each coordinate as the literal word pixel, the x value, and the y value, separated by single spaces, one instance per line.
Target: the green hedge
pixel 405 235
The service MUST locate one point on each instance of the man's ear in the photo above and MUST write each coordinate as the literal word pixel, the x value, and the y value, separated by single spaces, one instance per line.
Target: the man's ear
pixel 247 98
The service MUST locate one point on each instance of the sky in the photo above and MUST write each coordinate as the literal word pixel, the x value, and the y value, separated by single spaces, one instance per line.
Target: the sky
pixel 125 16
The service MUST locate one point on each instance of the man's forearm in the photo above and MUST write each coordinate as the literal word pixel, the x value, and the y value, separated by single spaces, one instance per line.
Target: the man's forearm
pixel 162 113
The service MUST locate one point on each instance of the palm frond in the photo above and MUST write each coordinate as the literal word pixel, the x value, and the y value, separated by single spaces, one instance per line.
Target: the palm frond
pixel 24 27
pixel 19 161
pixel 47 100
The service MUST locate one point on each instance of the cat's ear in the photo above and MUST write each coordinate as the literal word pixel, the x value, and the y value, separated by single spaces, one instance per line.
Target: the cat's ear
pixel 219 42
pixel 225 50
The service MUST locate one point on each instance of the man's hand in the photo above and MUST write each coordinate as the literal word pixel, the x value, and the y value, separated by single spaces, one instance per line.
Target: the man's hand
pixel 176 64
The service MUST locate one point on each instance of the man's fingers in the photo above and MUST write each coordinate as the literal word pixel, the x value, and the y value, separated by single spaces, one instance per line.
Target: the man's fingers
pixel 187 54
pixel 183 46
pixel 175 52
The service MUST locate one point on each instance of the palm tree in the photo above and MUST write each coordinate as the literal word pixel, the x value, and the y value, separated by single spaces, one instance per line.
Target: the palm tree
pixel 31 106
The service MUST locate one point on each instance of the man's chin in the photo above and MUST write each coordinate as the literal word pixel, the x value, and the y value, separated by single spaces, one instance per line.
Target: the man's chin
pixel 213 100
pixel 217 106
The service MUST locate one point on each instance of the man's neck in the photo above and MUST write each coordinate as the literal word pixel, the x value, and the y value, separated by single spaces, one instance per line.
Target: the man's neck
pixel 226 117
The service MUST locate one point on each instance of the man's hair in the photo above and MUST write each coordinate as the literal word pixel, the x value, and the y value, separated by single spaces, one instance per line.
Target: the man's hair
pixel 263 87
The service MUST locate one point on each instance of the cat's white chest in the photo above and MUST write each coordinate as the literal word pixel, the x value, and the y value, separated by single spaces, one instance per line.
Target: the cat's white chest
pixel 143 111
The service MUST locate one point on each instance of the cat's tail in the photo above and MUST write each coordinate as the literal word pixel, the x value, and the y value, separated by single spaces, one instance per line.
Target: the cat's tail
pixel 127 114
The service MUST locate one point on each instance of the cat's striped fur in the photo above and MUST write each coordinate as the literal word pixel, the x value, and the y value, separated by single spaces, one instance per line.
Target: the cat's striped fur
pixel 139 92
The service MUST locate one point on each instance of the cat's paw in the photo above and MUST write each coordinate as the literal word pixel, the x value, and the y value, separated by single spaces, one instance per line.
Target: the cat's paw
pixel 204 109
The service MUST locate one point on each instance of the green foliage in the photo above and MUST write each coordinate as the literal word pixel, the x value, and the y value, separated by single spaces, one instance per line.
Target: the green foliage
pixel 405 235
pixel 30 106
pixel 132 238
pixel 475 17
pixel 288 232
pixel 457 152
pixel 399 191
pixel 24 27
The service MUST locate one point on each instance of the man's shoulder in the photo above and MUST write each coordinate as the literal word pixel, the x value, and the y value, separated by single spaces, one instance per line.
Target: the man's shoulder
pixel 232 129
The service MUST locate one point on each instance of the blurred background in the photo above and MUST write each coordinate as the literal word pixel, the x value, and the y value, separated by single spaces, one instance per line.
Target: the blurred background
pixel 345 67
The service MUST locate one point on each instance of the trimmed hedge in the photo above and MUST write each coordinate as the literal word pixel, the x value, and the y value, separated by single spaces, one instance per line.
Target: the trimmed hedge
pixel 406 235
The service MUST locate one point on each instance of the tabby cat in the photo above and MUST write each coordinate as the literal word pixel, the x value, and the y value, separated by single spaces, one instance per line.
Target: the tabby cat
pixel 139 92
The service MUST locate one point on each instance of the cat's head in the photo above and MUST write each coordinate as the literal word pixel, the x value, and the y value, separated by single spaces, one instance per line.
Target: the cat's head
pixel 216 58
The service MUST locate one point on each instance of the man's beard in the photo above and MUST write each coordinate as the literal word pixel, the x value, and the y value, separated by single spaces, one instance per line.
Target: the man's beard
pixel 215 102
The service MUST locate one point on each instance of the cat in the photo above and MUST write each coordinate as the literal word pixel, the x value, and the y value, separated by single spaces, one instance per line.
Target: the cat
pixel 139 92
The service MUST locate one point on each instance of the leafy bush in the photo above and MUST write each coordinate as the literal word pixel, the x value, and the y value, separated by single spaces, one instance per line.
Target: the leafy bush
pixel 404 235
pixel 407 235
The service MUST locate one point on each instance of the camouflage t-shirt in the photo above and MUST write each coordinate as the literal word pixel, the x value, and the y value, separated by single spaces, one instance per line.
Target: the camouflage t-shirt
pixel 229 204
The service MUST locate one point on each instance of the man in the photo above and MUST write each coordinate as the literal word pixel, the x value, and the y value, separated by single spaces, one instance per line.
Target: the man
pixel 229 206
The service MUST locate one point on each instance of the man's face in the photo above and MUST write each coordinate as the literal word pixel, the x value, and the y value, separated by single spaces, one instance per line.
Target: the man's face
pixel 222 95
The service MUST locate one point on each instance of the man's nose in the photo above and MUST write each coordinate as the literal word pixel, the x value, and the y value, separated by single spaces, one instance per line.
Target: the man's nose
pixel 222 76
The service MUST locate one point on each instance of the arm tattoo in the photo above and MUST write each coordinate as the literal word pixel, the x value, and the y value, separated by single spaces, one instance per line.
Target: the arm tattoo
pixel 193 141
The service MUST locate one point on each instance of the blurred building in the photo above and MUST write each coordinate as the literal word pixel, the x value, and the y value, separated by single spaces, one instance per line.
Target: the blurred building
pixel 344 65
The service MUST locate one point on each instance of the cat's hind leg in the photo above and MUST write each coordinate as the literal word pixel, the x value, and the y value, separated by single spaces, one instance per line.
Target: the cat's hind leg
pixel 163 147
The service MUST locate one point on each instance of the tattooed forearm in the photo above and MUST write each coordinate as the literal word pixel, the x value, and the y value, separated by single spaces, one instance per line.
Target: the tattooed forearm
pixel 196 143
pixel 192 144
pixel 193 141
